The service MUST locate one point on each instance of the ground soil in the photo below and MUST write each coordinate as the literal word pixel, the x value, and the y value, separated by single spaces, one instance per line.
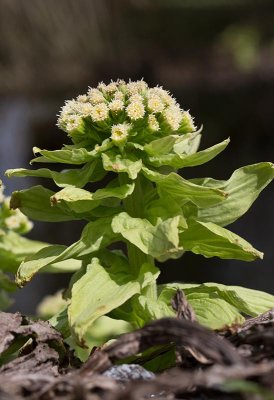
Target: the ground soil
pixel 235 363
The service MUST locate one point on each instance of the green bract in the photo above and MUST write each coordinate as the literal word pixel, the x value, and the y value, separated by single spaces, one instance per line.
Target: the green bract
pixel 143 136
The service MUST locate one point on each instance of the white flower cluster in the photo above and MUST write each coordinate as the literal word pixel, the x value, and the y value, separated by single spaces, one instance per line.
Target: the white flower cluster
pixel 119 108
pixel 13 220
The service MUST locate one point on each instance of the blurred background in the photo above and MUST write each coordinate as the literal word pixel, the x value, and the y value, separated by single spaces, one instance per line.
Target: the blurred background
pixel 215 56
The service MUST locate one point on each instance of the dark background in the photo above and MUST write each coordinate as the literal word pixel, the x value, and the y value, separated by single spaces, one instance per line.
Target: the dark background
pixel 215 56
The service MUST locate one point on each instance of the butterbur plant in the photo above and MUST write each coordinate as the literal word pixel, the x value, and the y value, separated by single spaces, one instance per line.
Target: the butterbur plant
pixel 139 137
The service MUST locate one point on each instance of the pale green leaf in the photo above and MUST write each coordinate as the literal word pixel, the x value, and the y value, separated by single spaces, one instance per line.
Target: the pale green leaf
pixel 90 172
pixel 115 162
pixel 14 248
pixel 211 240
pixel 213 312
pixel 102 330
pixel 146 309
pixel 210 309
pixel 95 235
pixel 98 292
pixel 164 208
pixel 65 156
pixel 81 201
pixel 181 160
pixel 242 188
pixel 155 240
pixel 181 190
pixel 37 261
pixel 35 203
pixel 60 322
pixel 189 143
pixel 249 301
pixel 66 266
pixel 161 146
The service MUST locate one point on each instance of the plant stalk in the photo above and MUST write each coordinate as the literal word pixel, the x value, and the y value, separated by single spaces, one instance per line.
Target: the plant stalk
pixel 134 206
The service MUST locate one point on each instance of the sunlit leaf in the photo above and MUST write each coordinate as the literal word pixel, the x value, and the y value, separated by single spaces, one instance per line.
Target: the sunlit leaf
pixel 90 172
pixel 155 240
pixel 99 291
pixel 181 190
pixel 243 187
pixel 212 240
pixel 181 160
pixel 65 156
pixel 115 162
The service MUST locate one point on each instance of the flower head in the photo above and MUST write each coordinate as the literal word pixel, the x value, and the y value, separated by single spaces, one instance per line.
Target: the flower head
pixel 187 124
pixel 95 96
pixel 173 116
pixel 73 123
pixel 119 133
pixel 155 104
pixel 107 111
pixel 135 110
pixel 153 124
pixel 99 112
pixel 116 105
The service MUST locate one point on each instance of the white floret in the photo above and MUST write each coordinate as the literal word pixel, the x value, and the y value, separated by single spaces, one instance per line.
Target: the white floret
pixel 135 110
pixel 173 116
pixel 99 112
pixel 119 132
pixel 116 105
pixel 95 96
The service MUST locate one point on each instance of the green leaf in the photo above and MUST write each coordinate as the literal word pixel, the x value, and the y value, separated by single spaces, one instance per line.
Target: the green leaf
pixel 95 235
pixel 247 387
pixel 115 162
pixel 14 248
pixel 81 201
pixel 6 283
pixel 35 203
pixel 90 172
pixel 66 266
pixel 60 322
pixel 181 190
pixel 164 207
pixel 65 156
pixel 188 144
pixel 211 240
pixel 110 287
pixel 248 301
pixel 243 187
pixel 192 160
pixel 210 309
pixel 147 310
pixel 102 330
pixel 161 239
pixel 37 261
pixel 165 360
pixel 161 146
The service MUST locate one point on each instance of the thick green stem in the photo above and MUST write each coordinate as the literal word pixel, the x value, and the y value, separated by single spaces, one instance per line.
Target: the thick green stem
pixel 134 206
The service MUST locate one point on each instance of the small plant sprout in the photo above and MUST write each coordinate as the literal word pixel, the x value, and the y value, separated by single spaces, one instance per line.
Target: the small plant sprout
pixel 139 137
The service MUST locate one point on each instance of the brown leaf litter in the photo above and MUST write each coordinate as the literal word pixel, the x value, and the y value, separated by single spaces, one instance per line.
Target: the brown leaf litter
pixel 36 364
